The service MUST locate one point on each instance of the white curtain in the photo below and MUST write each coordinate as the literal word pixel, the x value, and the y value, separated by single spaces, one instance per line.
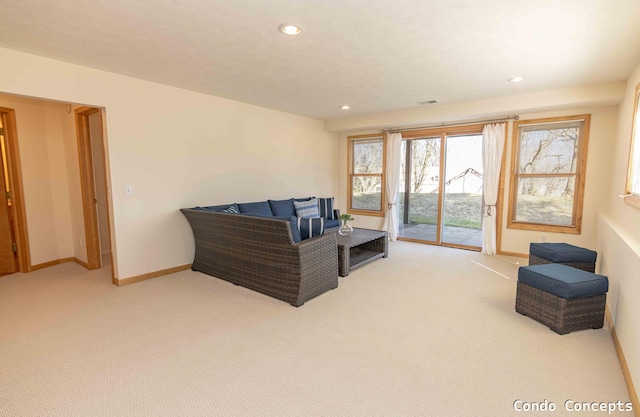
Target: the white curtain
pixel 492 149
pixel 392 178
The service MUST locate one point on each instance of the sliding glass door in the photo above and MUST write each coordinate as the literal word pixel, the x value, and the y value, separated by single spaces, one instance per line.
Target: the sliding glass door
pixel 462 208
pixel 419 199
pixel 440 199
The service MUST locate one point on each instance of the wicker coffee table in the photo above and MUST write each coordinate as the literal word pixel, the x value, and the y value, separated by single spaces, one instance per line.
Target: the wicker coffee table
pixel 360 248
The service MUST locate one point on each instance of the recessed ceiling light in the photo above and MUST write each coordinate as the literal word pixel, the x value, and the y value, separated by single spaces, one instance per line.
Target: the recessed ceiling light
pixel 345 107
pixel 289 29
pixel 515 79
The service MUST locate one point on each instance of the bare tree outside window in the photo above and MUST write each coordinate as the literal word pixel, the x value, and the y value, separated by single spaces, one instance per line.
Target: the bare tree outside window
pixel 366 174
pixel 547 180
pixel 424 155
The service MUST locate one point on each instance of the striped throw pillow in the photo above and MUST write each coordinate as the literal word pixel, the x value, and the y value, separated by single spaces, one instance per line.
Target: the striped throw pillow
pixel 325 206
pixel 310 227
pixel 307 209
pixel 231 209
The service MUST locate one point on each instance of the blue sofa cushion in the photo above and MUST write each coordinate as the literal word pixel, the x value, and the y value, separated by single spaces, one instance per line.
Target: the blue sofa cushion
pixel 293 221
pixel 562 252
pixel 325 206
pixel 307 209
pixel 563 281
pixel 282 207
pixel 310 227
pixel 224 208
pixel 330 223
pixel 259 207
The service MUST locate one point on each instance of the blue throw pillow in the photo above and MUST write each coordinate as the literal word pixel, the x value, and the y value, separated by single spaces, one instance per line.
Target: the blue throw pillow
pixel 325 206
pixel 307 209
pixel 259 207
pixel 295 231
pixel 232 209
pixel 282 207
pixel 224 208
pixel 310 227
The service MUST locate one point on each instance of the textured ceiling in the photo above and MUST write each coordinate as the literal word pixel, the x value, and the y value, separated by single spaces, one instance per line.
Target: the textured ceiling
pixel 376 56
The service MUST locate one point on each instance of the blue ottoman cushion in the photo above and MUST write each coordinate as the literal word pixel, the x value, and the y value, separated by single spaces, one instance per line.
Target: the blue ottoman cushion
pixel 562 252
pixel 563 281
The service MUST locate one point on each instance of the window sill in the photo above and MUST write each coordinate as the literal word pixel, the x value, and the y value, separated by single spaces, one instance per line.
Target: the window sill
pixel 366 212
pixel 574 230
pixel 633 201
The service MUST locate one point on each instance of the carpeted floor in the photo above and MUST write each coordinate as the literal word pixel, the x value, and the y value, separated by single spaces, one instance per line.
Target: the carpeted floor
pixel 430 331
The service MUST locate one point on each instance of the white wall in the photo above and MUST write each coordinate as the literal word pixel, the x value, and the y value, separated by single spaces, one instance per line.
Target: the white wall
pixel 619 240
pixel 179 149
pixel 597 95
pixel 56 116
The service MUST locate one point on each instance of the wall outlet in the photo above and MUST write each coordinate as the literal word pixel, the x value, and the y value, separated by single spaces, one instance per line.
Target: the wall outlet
pixel 544 238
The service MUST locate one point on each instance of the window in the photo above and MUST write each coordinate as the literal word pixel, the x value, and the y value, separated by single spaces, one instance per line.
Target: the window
pixel 633 179
pixel 366 174
pixel 548 172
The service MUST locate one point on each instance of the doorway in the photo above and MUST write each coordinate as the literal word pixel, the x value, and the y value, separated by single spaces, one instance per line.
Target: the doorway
pixel 441 199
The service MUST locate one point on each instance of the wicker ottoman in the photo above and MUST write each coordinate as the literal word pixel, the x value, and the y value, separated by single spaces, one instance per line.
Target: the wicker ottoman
pixel 561 297
pixel 562 253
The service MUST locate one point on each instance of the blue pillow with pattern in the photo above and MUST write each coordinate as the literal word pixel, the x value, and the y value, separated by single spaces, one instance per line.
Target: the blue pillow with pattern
pixel 325 207
pixel 232 209
pixel 310 227
pixel 225 208
pixel 307 209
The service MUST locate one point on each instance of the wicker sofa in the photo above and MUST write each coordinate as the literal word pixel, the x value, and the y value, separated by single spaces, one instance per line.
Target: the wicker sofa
pixel 259 253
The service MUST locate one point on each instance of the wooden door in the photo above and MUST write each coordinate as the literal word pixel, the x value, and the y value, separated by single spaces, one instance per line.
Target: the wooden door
pixel 7 254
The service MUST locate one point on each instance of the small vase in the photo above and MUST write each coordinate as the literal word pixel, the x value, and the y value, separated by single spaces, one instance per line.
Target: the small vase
pixel 345 229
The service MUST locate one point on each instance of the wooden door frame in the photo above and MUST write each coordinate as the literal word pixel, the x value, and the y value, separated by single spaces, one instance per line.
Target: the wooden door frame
pixel 87 185
pixel 17 193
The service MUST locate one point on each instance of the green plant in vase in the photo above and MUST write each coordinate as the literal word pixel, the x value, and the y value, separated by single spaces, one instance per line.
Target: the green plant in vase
pixel 345 229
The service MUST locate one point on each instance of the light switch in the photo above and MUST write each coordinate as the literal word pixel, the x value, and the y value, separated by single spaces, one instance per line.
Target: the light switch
pixel 128 190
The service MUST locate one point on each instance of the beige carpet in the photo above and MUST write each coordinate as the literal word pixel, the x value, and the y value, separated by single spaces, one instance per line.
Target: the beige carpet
pixel 426 332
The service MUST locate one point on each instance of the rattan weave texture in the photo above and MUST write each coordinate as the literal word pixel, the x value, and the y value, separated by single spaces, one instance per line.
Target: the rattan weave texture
pixel 560 314
pixel 360 248
pixel 259 254
pixel 585 266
